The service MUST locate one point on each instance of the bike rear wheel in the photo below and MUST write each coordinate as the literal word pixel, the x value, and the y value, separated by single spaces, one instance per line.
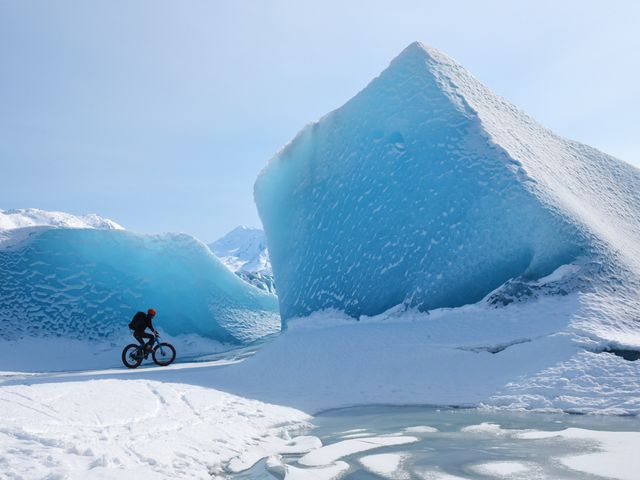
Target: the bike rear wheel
pixel 164 354
pixel 132 356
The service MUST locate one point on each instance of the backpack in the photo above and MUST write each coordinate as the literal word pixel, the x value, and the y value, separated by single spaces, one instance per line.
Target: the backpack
pixel 138 322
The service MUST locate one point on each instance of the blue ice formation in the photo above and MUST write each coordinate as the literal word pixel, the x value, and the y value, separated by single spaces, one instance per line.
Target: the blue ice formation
pixel 428 189
pixel 85 283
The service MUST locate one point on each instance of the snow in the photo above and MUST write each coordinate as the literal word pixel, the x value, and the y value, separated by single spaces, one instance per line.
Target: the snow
pixel 244 252
pixel 88 283
pixel 438 475
pixel 522 356
pixel 421 429
pixel 18 225
pixel 243 249
pixel 615 454
pixel 287 446
pixel 384 464
pixel 33 217
pixel 54 354
pixel 330 453
pixel 125 428
pixel 506 470
pixel 290 472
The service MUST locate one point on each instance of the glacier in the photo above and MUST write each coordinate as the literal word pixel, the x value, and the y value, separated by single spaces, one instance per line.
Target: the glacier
pixel 86 283
pixel 428 190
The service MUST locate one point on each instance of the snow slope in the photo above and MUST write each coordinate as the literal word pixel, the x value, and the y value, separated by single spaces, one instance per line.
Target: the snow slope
pixel 85 283
pixel 427 189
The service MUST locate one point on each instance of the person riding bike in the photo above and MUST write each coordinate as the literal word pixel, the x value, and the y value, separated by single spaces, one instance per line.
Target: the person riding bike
pixel 139 323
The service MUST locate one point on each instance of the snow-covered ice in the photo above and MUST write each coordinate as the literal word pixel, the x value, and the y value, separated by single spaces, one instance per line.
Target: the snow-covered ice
pixel 330 453
pixel 614 455
pixel 524 355
pixel 507 470
pixel 116 428
pixel 385 464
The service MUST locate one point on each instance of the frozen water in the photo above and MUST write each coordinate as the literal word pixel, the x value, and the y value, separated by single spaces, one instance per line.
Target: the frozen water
pixel 475 443
pixel 428 189
pixel 87 283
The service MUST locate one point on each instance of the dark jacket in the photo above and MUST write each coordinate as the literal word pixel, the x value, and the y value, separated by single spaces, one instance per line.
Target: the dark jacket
pixel 140 322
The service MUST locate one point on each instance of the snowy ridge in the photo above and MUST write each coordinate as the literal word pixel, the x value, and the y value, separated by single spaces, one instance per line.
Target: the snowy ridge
pixel 33 217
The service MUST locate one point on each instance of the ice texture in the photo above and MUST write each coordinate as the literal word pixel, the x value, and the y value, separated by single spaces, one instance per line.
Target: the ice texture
pixel 87 284
pixel 428 189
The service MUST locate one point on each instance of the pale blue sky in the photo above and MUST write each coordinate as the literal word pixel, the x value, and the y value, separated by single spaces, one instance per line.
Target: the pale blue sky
pixel 160 114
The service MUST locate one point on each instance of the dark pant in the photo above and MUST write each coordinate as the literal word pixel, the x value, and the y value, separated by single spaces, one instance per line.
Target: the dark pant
pixel 140 335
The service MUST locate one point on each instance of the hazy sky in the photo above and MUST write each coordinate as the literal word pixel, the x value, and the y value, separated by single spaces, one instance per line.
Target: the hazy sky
pixel 160 114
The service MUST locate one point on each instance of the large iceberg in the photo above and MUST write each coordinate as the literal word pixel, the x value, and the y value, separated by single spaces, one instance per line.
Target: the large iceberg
pixel 86 283
pixel 428 189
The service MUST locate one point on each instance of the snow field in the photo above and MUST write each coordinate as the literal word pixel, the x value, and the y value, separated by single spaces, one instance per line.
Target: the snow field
pixel 523 356
pixel 100 429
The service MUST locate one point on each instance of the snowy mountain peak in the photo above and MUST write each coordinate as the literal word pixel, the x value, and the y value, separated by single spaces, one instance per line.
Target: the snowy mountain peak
pixel 243 249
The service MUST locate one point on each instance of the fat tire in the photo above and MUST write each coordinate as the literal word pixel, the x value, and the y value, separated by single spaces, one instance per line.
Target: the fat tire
pixel 125 356
pixel 172 358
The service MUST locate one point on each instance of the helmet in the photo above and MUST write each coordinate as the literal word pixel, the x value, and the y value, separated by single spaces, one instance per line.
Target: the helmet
pixel 151 312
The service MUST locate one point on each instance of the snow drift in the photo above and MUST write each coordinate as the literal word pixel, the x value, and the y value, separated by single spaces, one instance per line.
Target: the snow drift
pixel 427 189
pixel 87 283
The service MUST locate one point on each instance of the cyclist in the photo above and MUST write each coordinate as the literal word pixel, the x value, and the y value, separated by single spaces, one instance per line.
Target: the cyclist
pixel 139 323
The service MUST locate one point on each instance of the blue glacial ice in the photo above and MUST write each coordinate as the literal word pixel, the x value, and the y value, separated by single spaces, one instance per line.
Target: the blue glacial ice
pixel 87 283
pixel 427 189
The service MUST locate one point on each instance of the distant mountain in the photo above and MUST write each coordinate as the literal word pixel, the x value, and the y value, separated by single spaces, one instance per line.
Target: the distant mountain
pixel 244 251
pixel 18 224
pixel 34 217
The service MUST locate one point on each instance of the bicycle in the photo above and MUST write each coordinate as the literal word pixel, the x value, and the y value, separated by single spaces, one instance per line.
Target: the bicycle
pixel 163 354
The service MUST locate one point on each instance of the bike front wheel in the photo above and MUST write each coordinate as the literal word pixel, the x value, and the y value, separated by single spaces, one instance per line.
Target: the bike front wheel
pixel 164 354
pixel 132 356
